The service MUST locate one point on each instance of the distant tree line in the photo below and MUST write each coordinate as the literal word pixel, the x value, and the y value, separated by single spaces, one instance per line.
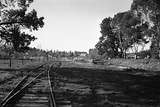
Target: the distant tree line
pixel 70 54
pixel 130 30
pixel 34 52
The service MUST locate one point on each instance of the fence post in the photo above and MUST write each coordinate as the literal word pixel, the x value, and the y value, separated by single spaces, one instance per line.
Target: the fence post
pixel 22 61
pixel 10 62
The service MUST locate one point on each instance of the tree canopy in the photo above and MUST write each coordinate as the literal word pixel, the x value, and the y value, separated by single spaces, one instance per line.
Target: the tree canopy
pixel 121 33
pixel 150 13
pixel 17 17
pixel 130 29
pixel 108 42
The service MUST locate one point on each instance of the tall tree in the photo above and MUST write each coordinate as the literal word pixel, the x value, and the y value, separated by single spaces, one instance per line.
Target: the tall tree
pixel 120 33
pixel 108 42
pixel 130 30
pixel 14 20
pixel 151 11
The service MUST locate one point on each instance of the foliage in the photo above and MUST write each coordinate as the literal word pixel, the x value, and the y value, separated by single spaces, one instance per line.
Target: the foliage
pixel 150 9
pixel 145 54
pixel 15 19
pixel 93 54
pixel 108 42
pixel 121 33
pixel 131 29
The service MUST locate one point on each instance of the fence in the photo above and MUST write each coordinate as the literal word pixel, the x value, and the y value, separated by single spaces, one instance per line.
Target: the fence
pixel 7 62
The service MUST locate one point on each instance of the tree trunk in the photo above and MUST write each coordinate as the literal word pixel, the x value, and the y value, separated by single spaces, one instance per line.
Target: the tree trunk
pixel 135 55
pixel 125 54
pixel 10 62
pixel 120 42
pixel 10 59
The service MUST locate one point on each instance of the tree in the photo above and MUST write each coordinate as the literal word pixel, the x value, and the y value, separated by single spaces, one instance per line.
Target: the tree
pixel 122 32
pixel 93 54
pixel 14 20
pixel 132 30
pixel 108 42
pixel 120 23
pixel 150 12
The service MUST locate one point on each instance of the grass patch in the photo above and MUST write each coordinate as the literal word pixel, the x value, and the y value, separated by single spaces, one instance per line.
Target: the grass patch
pixel 146 64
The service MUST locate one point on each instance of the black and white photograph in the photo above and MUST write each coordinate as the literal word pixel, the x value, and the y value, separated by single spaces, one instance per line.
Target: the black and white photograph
pixel 79 53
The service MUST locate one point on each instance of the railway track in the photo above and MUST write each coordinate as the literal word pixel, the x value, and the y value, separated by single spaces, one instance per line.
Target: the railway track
pixel 36 90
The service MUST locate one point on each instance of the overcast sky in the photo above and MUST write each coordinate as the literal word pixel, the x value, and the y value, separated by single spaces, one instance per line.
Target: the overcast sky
pixel 74 24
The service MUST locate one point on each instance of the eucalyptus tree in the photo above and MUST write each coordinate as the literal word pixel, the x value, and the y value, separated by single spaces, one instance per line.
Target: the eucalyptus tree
pixel 121 33
pixel 150 13
pixel 132 31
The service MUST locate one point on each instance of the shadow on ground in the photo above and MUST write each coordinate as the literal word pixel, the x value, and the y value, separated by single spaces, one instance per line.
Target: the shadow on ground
pixel 108 88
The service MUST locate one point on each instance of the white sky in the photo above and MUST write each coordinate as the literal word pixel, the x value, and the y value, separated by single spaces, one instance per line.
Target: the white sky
pixel 74 24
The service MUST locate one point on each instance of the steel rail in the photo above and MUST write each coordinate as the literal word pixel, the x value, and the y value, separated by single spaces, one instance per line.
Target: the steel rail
pixel 52 100
pixel 20 91
pixel 19 85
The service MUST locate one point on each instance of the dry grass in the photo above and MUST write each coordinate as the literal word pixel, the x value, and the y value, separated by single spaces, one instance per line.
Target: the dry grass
pixel 9 77
pixel 146 64
pixel 18 64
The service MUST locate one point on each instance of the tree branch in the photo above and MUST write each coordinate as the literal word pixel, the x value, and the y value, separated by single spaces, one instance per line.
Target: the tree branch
pixel 7 23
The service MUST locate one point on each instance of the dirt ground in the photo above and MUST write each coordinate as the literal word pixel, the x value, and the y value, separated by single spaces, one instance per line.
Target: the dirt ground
pixel 10 77
pixel 100 87
pixel 145 64
pixel 89 85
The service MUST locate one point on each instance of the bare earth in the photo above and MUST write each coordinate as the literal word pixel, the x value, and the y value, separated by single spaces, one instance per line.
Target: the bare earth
pixel 89 85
